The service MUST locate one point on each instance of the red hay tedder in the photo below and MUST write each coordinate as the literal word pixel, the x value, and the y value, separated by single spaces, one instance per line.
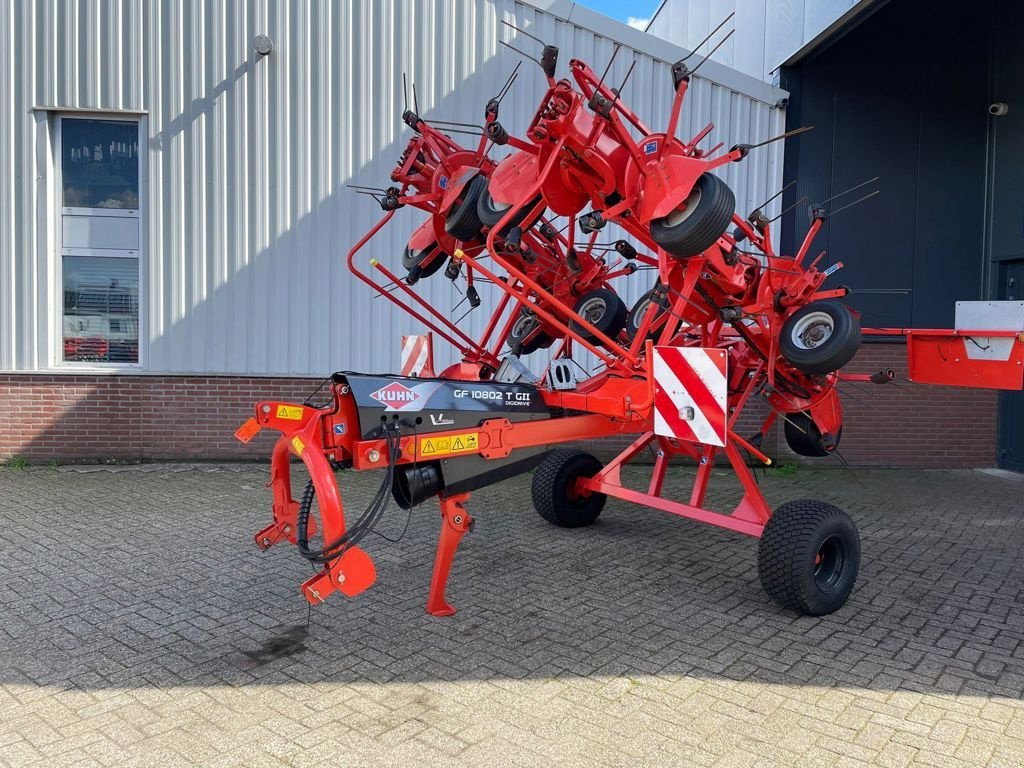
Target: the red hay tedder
pixel 727 321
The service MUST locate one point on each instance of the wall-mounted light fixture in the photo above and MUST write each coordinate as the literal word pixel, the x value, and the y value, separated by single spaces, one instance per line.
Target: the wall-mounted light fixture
pixel 263 45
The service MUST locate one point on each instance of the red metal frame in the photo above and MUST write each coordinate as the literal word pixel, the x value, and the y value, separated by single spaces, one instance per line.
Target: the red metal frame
pixel 580 150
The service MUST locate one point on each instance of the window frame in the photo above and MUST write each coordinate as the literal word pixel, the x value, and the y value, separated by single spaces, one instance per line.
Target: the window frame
pixel 57 360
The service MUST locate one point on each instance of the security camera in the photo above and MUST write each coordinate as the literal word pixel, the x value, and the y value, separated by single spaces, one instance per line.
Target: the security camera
pixel 998 108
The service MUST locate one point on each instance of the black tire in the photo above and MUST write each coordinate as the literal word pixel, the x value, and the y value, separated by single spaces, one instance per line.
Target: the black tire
pixel 490 212
pixel 603 309
pixel 417 258
pixel 636 314
pixel 808 557
pixel 708 213
pixel 520 334
pixel 805 439
pixel 804 346
pixel 462 222
pixel 552 481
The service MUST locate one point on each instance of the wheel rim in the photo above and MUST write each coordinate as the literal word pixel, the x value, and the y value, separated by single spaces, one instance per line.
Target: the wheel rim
pixel 497 207
pixel 678 215
pixel 593 309
pixel 812 330
pixel 830 564
pixel 522 327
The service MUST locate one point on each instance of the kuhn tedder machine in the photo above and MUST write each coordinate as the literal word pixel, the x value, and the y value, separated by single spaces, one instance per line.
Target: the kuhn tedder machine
pixel 727 321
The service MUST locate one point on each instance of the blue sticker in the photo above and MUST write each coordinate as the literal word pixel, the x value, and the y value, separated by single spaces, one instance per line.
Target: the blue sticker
pixel 650 147
pixel 443 183
pixel 339 429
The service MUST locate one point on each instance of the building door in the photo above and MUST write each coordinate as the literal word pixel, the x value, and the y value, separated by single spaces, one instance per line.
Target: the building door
pixel 1006 233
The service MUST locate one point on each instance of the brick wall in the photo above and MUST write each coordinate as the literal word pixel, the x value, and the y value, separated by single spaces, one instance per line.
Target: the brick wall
pixel 140 418
pixel 89 418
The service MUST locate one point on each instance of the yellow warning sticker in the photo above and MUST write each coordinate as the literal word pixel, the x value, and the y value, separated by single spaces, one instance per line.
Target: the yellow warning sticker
pixel 290 412
pixel 464 442
pixel 298 445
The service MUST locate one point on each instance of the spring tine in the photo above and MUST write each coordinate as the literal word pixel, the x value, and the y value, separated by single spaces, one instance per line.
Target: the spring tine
pixel 622 85
pixel 712 53
pixel 523 32
pixel 801 201
pixel 615 52
pixel 858 201
pixel 845 191
pixel 710 35
pixel 508 83
pixel 777 194
pixel 786 135
pixel 521 53
pixel 656 14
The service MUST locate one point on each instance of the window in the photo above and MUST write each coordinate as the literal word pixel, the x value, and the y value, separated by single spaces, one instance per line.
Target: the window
pixel 100 232
pixel 101 309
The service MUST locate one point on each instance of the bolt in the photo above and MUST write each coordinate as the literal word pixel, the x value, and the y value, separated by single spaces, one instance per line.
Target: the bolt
pixel 266 542
pixel 287 529
pixel 374 456
pixel 458 519
pixel 266 409
pixel 340 578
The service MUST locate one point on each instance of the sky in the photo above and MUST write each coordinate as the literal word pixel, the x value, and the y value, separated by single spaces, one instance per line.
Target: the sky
pixel 636 13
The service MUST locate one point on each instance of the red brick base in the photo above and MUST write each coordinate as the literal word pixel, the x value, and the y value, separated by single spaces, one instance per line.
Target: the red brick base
pixel 144 418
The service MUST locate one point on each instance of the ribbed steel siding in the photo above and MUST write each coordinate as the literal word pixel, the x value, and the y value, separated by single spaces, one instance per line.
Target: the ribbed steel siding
pixel 248 218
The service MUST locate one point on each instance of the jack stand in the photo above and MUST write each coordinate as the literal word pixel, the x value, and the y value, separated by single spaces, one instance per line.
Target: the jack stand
pixel 455 522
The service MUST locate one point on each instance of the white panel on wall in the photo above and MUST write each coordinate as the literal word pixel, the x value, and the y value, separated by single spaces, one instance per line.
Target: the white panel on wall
pixel 247 216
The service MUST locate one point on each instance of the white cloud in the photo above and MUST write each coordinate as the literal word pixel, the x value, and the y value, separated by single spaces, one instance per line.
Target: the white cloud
pixel 638 23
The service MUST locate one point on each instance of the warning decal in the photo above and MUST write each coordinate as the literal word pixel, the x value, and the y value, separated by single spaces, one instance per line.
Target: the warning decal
pixel 465 442
pixel 290 412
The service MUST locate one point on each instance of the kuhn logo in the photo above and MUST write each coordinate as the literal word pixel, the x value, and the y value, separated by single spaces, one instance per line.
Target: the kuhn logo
pixel 395 395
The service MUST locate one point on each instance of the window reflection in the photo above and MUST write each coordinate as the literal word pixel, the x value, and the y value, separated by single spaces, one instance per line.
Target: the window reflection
pixel 100 163
pixel 101 309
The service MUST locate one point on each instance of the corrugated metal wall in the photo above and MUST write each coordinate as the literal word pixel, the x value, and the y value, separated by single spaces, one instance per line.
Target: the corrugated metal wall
pixel 247 217
pixel 767 31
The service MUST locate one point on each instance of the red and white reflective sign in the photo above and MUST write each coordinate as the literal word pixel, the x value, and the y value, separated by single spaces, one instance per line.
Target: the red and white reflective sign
pixel 418 356
pixel 690 393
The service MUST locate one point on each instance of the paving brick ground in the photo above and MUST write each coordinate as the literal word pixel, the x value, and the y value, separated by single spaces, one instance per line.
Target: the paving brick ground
pixel 138 626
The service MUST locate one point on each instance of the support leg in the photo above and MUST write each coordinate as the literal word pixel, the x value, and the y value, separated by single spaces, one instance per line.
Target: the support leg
pixel 455 522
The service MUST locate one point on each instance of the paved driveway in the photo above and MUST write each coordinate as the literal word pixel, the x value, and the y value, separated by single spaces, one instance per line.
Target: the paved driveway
pixel 138 626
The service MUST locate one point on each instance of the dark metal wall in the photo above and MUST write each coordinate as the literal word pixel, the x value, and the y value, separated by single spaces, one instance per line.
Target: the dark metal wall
pixel 904 96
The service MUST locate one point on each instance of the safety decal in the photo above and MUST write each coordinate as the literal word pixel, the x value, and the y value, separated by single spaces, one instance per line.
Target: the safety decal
pixel 339 429
pixel 290 412
pixel 650 147
pixel 298 445
pixel 465 442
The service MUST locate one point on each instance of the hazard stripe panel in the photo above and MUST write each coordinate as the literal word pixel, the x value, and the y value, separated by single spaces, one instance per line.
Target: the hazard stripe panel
pixel 417 356
pixel 690 394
